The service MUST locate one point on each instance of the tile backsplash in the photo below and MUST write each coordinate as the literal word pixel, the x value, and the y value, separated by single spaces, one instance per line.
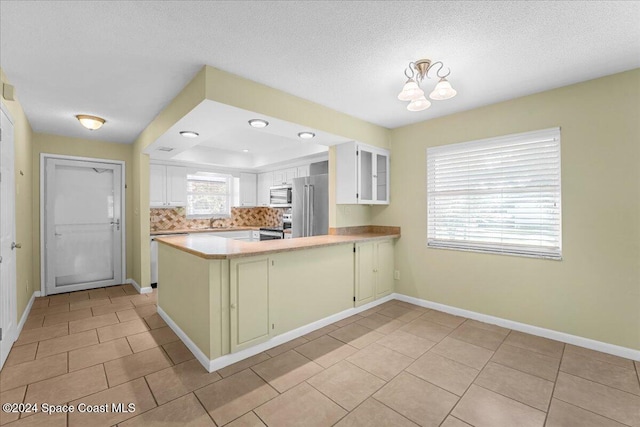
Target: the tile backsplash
pixel 176 219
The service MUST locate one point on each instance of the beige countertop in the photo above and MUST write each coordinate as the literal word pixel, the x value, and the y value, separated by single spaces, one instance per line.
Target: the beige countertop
pixel 212 247
pixel 201 230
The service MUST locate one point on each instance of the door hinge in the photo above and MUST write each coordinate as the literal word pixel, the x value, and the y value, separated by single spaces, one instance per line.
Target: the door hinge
pixel 354 299
pixel 354 249
pixel 357 195
pixel 0 334
pixel 357 153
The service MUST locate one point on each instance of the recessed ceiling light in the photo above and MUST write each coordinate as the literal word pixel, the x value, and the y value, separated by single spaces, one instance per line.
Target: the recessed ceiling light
pixel 306 135
pixel 258 123
pixel 90 122
pixel 189 134
pixel 245 151
pixel 167 149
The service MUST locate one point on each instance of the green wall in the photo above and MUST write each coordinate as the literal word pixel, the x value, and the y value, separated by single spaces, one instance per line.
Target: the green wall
pixel 594 291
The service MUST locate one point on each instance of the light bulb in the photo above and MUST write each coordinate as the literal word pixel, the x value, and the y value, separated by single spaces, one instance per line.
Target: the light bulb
pixel 410 91
pixel 306 135
pixel 90 122
pixel 419 104
pixel 443 90
pixel 258 123
pixel 189 134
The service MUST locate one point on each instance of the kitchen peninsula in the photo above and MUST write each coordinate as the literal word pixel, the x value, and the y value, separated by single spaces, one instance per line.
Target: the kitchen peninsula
pixel 229 299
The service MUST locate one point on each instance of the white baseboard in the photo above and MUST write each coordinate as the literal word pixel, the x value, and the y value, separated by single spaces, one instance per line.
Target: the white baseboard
pixel 603 347
pixel 230 359
pixel 202 358
pixel 25 314
pixel 145 290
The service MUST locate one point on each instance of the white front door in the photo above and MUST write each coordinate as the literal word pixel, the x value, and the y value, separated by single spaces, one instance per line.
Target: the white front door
pixel 83 229
pixel 7 239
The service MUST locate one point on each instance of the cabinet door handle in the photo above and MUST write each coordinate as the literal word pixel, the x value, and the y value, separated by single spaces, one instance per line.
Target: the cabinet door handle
pixel 233 306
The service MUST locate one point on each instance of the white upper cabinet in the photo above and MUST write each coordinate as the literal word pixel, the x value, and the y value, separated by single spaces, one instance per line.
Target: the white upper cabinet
pixel 286 176
pixel 289 175
pixel 278 177
pixel 362 174
pixel 158 186
pixel 167 186
pixel 265 181
pixel 302 171
pixel 248 189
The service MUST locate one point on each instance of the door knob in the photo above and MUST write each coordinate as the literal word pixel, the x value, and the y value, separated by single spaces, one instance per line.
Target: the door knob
pixel 15 245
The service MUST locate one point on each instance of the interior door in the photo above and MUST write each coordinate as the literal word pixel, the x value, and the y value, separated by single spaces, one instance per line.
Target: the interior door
pixel 7 239
pixel 83 224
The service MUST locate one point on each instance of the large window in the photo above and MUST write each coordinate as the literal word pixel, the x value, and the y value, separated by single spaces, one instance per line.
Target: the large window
pixel 209 195
pixel 499 195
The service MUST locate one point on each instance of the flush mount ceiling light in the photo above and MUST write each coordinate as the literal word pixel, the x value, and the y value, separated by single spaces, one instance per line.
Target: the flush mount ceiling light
pixel 189 134
pixel 416 72
pixel 306 135
pixel 245 151
pixel 90 122
pixel 258 123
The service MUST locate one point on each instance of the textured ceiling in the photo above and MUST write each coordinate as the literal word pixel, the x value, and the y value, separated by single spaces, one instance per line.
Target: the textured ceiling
pixel 126 60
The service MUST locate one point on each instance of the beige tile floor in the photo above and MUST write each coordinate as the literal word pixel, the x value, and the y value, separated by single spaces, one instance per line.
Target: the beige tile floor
pixel 394 365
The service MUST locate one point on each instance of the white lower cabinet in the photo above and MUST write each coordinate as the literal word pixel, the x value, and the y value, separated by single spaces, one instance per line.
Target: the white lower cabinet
pixel 374 271
pixel 249 302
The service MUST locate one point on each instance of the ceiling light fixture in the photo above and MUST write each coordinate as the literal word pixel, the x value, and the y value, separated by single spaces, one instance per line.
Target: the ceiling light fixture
pixel 189 134
pixel 90 122
pixel 416 72
pixel 258 123
pixel 245 151
pixel 306 135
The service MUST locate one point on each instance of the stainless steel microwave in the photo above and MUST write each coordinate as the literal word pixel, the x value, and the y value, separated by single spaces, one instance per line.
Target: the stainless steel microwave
pixel 280 196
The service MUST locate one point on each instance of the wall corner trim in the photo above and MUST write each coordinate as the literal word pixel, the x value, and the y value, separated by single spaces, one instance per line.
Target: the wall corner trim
pixel 202 358
pixel 25 314
pixel 145 290
pixel 603 347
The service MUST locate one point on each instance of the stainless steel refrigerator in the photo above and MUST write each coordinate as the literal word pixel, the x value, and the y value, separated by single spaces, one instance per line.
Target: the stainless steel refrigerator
pixel 310 210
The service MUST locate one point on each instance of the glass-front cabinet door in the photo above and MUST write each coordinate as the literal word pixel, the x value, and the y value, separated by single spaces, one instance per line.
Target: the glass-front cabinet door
pixel 381 178
pixel 366 178
pixel 373 175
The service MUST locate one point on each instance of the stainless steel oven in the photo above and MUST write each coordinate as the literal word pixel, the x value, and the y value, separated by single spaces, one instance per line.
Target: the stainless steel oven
pixel 271 234
pixel 280 196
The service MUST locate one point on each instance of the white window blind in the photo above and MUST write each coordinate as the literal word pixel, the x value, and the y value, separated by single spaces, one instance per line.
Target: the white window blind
pixel 499 195
pixel 208 195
